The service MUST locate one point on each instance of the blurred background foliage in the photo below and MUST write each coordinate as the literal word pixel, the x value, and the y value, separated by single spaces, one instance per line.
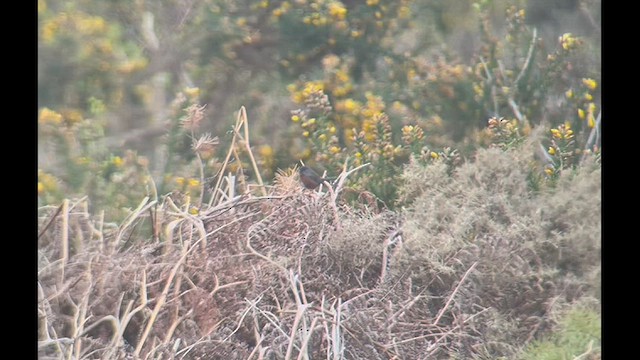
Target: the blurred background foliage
pixel 125 88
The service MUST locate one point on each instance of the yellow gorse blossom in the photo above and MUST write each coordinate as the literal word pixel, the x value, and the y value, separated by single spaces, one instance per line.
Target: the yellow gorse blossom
pixel 337 10
pixel 117 161
pixel 581 114
pixel 48 116
pixel 568 41
pixel 590 83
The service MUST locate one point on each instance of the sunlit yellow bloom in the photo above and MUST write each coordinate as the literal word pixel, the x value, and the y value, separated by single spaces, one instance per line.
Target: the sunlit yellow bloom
pixel 591 107
pixel 40 187
pixel 334 149
pixel 117 161
pixel 351 106
pixel 264 4
pixel 358 155
pixel 568 41
pixel 581 114
pixel 192 92
pixel 590 83
pixel 569 94
pixel 194 210
pixel 49 116
pixel 549 171
pixel 305 134
pixel 591 120
pixel 372 2
pixel 342 76
pixel 588 97
pixel 332 130
pixel 295 118
pixel 552 150
pixel 337 10
pixel 322 137
pixel 266 151
pixel 434 155
pixel 404 12
pixel 556 133
pixel 180 180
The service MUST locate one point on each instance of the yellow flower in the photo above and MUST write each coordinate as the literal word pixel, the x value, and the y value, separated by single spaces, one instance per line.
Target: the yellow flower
pixel 194 210
pixel 334 149
pixel 179 180
pixel 337 10
pixel 192 92
pixel 117 161
pixel 434 155
pixel 581 114
pixel 549 171
pixel 404 12
pixel 588 97
pixel 591 120
pixel 322 137
pixel 295 118
pixel 49 116
pixel 332 130
pixel 194 183
pixel 556 133
pixel 305 134
pixel 590 83
pixel 569 94
pixel 552 150
pixel 568 41
pixel 591 107
pixel 358 155
pixel 372 2
pixel 266 151
pixel 40 187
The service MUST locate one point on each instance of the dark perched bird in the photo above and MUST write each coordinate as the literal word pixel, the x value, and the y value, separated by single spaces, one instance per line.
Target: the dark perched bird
pixel 310 179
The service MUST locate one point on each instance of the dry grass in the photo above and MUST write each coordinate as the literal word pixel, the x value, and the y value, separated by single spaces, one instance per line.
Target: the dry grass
pixel 473 267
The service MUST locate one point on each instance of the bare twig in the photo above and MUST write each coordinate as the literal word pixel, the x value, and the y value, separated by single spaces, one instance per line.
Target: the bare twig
pixel 446 305
pixel 527 62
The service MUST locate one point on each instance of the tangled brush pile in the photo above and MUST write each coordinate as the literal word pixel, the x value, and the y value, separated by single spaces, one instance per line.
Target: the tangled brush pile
pixel 470 268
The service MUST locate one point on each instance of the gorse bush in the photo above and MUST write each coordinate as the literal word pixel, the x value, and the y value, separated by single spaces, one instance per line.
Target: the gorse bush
pixel 463 143
pixel 476 265
pixel 385 73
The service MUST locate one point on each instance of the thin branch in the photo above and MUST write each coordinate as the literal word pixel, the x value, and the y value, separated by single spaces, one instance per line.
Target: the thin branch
pixel 446 305
pixel 527 62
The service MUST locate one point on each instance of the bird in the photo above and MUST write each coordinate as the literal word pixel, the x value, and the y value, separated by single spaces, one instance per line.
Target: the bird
pixel 310 179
